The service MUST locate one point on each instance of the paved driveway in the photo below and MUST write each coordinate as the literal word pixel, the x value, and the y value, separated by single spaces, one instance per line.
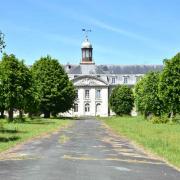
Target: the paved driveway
pixel 85 151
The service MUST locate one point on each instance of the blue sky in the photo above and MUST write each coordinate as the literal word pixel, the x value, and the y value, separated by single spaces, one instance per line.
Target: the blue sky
pixel 123 31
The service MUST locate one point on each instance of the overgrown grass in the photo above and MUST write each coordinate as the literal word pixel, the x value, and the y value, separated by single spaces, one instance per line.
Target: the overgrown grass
pixel 161 139
pixel 14 133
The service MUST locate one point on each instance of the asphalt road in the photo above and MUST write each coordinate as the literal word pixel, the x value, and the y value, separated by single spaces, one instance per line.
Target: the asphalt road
pixel 85 151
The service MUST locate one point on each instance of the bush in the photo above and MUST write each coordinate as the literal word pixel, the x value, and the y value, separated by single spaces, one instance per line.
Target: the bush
pixel 122 100
pixel 159 120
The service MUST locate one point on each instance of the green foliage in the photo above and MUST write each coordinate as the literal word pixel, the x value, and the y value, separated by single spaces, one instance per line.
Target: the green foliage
pixel 15 84
pixel 159 120
pixel 146 95
pixel 56 92
pixel 2 107
pixel 121 100
pixel 169 85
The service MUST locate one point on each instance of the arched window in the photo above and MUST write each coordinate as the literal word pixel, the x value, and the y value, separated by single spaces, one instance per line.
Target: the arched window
pixel 75 107
pixel 87 107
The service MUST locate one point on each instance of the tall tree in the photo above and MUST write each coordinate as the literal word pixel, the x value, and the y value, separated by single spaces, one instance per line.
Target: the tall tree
pixel 2 107
pixel 15 81
pixel 24 94
pixel 56 91
pixel 146 95
pixel 32 100
pixel 169 86
pixel 121 100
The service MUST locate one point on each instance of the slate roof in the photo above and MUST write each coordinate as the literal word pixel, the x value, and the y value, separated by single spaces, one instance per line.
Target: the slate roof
pixel 111 69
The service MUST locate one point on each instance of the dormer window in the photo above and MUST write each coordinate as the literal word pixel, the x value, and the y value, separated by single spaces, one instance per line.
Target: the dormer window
pixel 125 80
pixel 113 80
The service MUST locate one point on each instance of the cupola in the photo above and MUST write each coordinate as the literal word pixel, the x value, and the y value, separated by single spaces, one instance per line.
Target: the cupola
pixel 87 52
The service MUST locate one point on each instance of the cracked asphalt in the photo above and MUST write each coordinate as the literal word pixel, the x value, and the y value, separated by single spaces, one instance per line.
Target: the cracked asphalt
pixel 85 151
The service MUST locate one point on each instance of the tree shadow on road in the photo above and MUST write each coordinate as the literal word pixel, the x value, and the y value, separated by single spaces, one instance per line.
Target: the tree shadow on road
pixel 11 131
pixel 8 139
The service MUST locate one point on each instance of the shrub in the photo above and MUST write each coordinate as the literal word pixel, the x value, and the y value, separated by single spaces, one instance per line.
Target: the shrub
pixel 159 120
pixel 121 100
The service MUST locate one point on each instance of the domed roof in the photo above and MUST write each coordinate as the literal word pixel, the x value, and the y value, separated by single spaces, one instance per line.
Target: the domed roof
pixel 86 44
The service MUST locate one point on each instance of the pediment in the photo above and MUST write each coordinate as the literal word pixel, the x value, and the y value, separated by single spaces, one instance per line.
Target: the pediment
pixel 89 81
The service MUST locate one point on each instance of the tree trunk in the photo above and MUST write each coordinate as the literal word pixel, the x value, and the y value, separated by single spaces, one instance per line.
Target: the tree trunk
pixel 171 116
pixel 10 115
pixel 47 114
pixel 2 114
pixel 30 114
pixel 20 114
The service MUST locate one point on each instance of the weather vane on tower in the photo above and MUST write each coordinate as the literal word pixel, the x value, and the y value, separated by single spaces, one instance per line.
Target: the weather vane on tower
pixel 86 31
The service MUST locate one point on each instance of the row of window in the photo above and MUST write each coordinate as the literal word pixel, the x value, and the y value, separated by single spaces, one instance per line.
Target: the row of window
pixel 113 79
pixel 125 79
pixel 87 53
pixel 87 107
pixel 86 94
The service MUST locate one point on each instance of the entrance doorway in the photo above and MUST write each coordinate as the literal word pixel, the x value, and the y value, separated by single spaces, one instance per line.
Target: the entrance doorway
pixel 98 109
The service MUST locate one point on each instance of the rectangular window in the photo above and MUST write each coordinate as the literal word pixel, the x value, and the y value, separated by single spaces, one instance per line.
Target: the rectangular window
pixel 98 93
pixel 87 53
pixel 86 93
pixel 113 80
pixel 125 80
pixel 76 93
pixel 84 54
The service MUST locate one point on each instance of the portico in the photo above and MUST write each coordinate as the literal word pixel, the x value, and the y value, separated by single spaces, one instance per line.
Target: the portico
pixel 92 96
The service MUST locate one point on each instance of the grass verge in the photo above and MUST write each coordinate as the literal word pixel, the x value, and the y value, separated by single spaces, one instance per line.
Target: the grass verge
pixel 15 133
pixel 161 139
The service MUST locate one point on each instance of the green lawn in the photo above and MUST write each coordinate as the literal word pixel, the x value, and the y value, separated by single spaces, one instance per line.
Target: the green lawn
pixel 14 133
pixel 161 139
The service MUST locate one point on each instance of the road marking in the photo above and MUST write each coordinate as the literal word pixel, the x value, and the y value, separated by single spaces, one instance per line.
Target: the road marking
pixel 88 158
pixel 120 168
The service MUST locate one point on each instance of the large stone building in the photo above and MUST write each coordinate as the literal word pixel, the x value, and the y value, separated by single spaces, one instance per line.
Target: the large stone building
pixel 94 83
